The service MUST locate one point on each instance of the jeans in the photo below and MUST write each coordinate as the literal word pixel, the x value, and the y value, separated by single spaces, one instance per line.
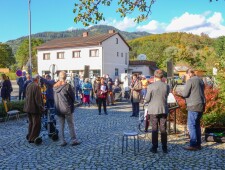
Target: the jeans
pixel 143 93
pixel 194 128
pixel 135 108
pixel 77 90
pixel 159 120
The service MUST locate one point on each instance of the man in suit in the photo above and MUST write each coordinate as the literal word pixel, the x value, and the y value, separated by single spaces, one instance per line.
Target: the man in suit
pixel 156 98
pixel 34 107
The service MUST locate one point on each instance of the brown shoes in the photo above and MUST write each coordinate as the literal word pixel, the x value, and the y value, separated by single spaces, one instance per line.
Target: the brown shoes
pixel 191 148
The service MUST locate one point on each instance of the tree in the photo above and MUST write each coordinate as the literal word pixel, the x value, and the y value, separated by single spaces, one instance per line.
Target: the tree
pixel 22 53
pixel 219 46
pixel 87 11
pixel 6 56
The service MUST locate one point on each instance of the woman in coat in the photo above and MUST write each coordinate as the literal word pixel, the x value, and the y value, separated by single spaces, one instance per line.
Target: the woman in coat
pixel 102 91
pixel 135 95
pixel 6 88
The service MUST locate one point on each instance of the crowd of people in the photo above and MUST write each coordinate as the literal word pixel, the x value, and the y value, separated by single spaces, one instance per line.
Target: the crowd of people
pixel 43 92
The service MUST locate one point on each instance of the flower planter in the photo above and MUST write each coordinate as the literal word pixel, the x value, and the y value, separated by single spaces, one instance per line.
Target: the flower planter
pixel 215 134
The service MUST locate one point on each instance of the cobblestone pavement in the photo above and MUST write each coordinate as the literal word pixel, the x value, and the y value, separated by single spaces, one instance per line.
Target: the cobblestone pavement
pixel 101 137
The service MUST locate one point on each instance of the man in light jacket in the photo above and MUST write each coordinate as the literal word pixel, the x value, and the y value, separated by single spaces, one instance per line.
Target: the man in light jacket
pixel 156 98
pixel 64 98
pixel 135 95
pixel 195 101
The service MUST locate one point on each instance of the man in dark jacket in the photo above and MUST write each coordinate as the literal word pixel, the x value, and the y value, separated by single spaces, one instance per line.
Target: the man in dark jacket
pixel 26 83
pixel 34 107
pixel 195 101
pixel 20 82
pixel 64 98
pixel 156 96
pixel 49 92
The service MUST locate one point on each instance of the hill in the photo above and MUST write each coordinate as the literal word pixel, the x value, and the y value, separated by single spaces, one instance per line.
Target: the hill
pixel 182 48
pixel 98 29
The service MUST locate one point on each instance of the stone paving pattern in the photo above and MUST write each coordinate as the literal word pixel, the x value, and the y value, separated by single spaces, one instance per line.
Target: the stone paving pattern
pixel 101 137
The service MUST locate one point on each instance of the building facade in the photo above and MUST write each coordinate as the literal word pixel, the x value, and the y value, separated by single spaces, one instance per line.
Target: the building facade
pixel 103 54
pixel 142 67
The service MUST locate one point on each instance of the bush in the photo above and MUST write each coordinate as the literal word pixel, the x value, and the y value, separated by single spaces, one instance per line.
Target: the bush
pixel 213 106
pixel 12 75
pixel 214 120
pixel 13 105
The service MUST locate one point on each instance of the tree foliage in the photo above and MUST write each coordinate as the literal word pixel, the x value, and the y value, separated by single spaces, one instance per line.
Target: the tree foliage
pixel 6 56
pixel 22 53
pixel 184 49
pixel 87 11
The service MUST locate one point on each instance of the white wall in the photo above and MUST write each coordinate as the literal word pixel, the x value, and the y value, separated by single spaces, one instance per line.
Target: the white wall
pixel 111 60
pixel 69 63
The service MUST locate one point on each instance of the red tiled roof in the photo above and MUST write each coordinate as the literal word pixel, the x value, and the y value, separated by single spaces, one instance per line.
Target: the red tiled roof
pixel 78 41
pixel 142 62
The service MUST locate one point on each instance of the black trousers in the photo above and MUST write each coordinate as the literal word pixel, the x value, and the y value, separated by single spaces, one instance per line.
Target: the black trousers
pixel 21 94
pixel 159 120
pixel 100 102
pixel 135 108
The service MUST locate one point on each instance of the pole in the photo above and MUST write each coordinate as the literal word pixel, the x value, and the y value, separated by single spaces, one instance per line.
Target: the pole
pixel 30 58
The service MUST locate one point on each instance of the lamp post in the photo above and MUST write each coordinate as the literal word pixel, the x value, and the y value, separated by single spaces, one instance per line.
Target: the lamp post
pixel 30 58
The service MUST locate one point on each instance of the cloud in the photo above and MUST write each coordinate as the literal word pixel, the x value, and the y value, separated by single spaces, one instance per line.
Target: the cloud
pixel 153 26
pixel 186 22
pixel 208 23
pixel 123 25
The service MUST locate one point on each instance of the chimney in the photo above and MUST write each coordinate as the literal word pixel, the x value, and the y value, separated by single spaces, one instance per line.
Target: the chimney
pixel 112 31
pixel 85 34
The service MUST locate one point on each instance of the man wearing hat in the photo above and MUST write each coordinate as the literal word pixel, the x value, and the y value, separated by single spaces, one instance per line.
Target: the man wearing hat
pixel 34 107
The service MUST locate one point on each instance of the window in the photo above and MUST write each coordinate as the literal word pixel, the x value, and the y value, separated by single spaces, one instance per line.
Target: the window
pixel 60 55
pixel 117 41
pixel 94 53
pixel 116 72
pixel 126 59
pixel 117 54
pixel 76 54
pixel 46 56
pixel 121 54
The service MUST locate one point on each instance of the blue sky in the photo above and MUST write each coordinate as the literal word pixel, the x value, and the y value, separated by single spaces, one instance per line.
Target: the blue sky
pixel 194 16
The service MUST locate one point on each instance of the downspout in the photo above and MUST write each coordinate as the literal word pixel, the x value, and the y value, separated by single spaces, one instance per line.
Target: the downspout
pixel 102 62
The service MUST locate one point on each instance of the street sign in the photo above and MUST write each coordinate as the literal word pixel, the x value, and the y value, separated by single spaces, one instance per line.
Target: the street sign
pixel 19 73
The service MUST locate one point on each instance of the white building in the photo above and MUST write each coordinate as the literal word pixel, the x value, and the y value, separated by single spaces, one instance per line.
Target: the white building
pixel 142 67
pixel 104 54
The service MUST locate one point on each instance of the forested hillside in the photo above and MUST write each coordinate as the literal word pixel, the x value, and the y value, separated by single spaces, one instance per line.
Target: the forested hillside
pixel 98 29
pixel 200 52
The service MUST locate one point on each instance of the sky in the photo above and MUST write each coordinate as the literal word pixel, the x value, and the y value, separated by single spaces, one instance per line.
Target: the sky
pixel 192 16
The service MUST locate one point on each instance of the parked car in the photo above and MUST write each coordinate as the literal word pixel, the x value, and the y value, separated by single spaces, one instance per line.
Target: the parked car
pixel 178 80
pixel 150 79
